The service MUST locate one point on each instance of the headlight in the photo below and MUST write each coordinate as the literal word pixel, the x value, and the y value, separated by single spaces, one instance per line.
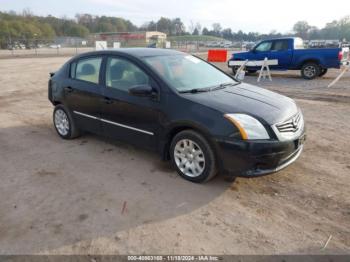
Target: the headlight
pixel 249 127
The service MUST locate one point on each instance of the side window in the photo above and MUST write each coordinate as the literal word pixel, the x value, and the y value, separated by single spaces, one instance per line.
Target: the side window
pixel 122 74
pixel 263 47
pixel 73 67
pixel 280 45
pixel 87 69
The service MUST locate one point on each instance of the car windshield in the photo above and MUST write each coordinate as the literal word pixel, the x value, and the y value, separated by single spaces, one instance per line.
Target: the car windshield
pixel 186 72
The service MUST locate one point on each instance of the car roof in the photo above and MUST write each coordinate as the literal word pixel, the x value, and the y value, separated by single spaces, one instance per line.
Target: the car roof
pixel 136 52
pixel 280 38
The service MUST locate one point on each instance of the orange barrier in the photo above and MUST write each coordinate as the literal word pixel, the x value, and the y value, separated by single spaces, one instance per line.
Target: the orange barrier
pixel 217 55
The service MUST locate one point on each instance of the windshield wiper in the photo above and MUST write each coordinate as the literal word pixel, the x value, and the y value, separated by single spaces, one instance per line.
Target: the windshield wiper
pixel 222 86
pixel 209 89
pixel 196 90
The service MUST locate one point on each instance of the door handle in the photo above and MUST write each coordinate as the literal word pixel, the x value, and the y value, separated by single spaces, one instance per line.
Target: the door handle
pixel 108 101
pixel 69 89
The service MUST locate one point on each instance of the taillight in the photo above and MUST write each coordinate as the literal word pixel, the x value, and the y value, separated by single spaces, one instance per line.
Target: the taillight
pixel 340 56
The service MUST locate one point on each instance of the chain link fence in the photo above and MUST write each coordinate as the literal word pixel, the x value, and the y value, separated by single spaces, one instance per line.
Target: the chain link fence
pixel 73 46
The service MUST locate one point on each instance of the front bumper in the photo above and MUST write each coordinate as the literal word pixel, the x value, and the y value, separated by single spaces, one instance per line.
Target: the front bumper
pixel 257 158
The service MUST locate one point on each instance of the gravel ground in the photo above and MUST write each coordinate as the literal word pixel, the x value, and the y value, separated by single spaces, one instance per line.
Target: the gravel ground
pixel 96 196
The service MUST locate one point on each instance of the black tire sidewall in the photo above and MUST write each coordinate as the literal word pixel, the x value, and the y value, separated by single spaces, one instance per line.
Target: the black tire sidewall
pixel 251 71
pixel 317 71
pixel 323 71
pixel 209 156
pixel 69 134
pixel 234 70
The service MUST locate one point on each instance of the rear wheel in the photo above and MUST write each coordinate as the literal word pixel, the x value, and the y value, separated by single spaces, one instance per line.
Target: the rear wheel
pixel 310 71
pixel 193 157
pixel 323 72
pixel 64 123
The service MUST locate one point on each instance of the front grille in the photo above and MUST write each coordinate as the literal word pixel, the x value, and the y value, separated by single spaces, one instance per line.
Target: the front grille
pixel 292 125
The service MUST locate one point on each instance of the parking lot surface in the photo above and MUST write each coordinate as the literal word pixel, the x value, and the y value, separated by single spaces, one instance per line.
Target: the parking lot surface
pixel 96 196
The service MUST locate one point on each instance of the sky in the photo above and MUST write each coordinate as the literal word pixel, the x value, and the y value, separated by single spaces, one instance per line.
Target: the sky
pixel 261 16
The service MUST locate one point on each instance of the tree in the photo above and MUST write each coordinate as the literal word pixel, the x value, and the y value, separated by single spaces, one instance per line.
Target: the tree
pixel 314 32
pixel 47 31
pixel 25 27
pixel 301 29
pixel 120 25
pixel 77 30
pixel 191 27
pixel 178 27
pixel 164 25
pixel 217 29
pixel 205 31
pixel 27 13
pixel 240 36
pixel 227 33
pixel 199 28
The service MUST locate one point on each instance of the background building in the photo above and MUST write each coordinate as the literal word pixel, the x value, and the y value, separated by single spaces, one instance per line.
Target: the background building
pixel 131 38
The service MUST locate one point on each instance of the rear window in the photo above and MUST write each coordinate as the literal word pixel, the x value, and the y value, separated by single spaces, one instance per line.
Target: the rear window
pixel 87 69
pixel 280 45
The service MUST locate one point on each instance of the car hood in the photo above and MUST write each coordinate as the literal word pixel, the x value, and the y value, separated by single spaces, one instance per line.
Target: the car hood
pixel 241 55
pixel 248 99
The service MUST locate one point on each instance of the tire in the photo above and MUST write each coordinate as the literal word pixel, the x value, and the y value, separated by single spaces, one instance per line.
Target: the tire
pixel 190 147
pixel 64 124
pixel 250 71
pixel 234 70
pixel 310 71
pixel 323 72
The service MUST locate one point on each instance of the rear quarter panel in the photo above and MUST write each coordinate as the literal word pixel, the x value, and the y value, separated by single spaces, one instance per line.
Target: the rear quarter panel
pixel 326 57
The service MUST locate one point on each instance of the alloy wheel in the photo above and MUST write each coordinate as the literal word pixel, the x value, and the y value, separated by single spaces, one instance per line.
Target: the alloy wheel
pixel 310 71
pixel 189 158
pixel 61 122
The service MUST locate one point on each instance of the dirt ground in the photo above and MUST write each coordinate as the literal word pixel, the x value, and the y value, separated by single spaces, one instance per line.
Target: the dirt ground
pixel 96 196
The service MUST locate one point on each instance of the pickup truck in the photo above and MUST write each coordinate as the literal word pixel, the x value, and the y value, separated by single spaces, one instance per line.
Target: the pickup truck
pixel 291 55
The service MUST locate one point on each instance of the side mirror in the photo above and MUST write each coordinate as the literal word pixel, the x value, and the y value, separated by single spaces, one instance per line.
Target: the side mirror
pixel 142 90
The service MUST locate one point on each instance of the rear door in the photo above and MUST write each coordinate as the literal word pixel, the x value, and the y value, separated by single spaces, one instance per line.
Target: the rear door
pixel 124 116
pixel 83 92
pixel 281 50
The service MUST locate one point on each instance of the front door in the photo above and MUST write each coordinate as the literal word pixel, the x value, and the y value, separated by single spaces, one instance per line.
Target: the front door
pixel 124 116
pixel 262 50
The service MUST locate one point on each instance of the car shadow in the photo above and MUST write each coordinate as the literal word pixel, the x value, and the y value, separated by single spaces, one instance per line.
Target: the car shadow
pixel 56 192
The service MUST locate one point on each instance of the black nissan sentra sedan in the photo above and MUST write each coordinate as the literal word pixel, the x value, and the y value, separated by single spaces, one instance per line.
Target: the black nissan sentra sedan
pixel 180 106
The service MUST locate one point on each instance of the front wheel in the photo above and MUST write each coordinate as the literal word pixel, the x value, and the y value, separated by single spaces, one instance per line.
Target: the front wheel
pixel 310 71
pixel 193 157
pixel 234 70
pixel 251 71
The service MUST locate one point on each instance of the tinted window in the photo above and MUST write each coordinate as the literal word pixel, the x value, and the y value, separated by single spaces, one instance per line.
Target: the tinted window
pixel 186 72
pixel 263 47
pixel 87 70
pixel 280 45
pixel 122 74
